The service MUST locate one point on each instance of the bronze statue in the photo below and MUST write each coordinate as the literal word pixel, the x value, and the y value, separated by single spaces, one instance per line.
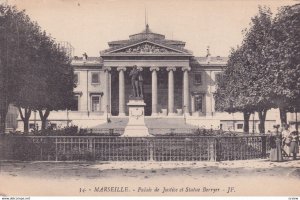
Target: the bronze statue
pixel 136 82
pixel 141 85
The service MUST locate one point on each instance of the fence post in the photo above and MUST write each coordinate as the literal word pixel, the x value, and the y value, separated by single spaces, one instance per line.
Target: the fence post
pixel 151 150
pixel 212 148
pixel 217 149
pixel 94 148
pixel 41 150
pixel 264 146
pixel 90 147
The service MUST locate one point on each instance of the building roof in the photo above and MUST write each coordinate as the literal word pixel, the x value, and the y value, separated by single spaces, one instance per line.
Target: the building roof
pixel 195 61
pixel 149 36
pixel 146 35
pixel 209 61
pixel 212 60
pixel 90 61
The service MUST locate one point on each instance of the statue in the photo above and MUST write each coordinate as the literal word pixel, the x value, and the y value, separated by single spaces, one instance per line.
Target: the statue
pixel 136 82
pixel 141 85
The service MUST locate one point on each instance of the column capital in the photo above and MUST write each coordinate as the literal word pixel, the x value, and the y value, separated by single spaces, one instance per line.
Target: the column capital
pixel 140 68
pixel 154 68
pixel 186 68
pixel 171 68
pixel 123 68
pixel 107 68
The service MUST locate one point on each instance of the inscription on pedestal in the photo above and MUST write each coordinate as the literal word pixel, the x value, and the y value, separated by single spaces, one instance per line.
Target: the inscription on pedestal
pixel 136 126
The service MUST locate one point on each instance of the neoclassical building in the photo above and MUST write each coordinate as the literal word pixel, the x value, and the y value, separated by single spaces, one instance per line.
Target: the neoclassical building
pixel 176 85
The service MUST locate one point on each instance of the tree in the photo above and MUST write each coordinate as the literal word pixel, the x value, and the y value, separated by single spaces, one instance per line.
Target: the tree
pixel 12 24
pixel 57 92
pixel 256 43
pixel 264 72
pixel 22 47
pixel 36 74
pixel 284 65
pixel 244 78
pixel 231 90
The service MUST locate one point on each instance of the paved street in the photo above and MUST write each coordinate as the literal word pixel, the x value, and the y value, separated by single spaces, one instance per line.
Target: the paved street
pixel 250 177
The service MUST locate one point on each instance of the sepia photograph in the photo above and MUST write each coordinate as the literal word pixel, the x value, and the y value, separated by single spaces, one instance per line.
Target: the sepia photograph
pixel 149 98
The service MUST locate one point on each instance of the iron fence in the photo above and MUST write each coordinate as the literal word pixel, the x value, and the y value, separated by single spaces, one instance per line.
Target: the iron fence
pixel 112 148
pixel 183 148
pixel 241 147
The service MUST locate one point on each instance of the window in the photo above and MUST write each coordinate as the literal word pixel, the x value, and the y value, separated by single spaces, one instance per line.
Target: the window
pixel 239 126
pixel 198 103
pixel 76 78
pixel 95 78
pixel 95 103
pixel 74 105
pixel 198 78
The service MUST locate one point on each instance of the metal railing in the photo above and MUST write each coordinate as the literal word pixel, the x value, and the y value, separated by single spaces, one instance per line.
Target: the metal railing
pixel 111 148
pixel 241 147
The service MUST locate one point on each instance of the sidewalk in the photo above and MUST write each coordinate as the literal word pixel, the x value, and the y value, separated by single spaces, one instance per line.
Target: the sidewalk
pixel 248 177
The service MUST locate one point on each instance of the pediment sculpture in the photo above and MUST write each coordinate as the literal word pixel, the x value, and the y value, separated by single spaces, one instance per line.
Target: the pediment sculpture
pixel 147 48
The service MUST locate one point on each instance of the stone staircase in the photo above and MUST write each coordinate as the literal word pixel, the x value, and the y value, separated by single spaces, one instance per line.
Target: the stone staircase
pixel 165 123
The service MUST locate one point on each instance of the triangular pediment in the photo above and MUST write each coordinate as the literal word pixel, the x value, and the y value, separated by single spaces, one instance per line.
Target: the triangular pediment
pixel 146 47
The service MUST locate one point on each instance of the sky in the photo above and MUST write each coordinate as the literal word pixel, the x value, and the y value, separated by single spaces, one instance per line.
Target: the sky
pixel 89 24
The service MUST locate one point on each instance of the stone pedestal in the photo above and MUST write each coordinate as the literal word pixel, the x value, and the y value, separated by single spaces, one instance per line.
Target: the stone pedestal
pixel 136 126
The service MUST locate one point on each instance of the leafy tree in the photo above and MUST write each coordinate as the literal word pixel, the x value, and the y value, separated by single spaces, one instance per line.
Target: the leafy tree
pixel 232 88
pixel 244 78
pixel 264 72
pixel 13 25
pixel 36 74
pixel 256 43
pixel 284 65
pixel 57 92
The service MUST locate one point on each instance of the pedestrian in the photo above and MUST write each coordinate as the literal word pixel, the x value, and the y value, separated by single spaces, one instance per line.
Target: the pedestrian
pixel 294 145
pixel 286 140
pixel 275 144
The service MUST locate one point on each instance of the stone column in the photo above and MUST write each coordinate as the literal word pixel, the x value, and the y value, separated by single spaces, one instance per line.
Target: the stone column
pixel 121 91
pixel 171 90
pixel 186 91
pixel 154 90
pixel 106 92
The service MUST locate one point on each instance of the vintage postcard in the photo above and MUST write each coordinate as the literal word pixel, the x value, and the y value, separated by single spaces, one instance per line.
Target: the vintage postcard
pixel 149 98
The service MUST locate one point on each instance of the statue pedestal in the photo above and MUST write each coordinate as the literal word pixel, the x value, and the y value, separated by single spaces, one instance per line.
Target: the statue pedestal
pixel 136 126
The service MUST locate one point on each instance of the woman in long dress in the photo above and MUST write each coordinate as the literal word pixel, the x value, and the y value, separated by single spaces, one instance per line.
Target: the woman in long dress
pixel 286 141
pixel 294 146
pixel 275 144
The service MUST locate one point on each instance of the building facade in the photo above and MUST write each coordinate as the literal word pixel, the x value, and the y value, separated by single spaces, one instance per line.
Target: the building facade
pixel 176 85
